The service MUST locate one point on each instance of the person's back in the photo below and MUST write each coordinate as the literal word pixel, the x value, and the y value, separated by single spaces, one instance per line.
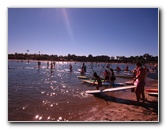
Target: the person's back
pixel 98 80
pixel 39 64
pixel 70 67
pixel 85 68
pixel 141 74
pixel 106 75
pixel 113 78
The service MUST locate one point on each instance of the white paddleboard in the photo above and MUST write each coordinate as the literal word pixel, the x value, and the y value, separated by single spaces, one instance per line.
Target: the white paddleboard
pixel 103 83
pixel 110 89
pixel 153 94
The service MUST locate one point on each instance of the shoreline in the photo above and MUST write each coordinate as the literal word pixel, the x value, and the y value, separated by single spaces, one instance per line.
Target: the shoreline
pixel 119 106
pixel 122 107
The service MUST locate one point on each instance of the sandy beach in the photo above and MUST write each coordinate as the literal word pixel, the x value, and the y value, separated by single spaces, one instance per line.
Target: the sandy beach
pixel 122 107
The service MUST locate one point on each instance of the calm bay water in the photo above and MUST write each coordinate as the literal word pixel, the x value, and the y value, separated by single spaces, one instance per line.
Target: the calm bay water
pixel 44 94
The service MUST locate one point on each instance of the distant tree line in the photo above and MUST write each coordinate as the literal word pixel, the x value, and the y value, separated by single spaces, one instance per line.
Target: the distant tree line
pixel 146 58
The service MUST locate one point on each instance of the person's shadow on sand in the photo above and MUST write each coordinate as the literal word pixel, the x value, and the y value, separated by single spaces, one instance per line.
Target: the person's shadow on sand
pixel 149 105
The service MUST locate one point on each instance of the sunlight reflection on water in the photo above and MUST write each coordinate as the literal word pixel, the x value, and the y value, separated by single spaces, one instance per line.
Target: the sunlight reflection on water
pixel 44 94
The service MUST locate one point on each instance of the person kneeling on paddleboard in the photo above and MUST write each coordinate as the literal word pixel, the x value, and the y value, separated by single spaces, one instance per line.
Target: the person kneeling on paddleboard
pixel 98 81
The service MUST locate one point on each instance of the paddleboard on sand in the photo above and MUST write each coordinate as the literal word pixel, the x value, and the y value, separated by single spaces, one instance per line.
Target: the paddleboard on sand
pixel 152 90
pixel 109 89
pixel 153 94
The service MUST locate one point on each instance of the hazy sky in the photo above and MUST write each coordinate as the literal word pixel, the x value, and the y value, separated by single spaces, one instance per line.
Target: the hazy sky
pixel 83 31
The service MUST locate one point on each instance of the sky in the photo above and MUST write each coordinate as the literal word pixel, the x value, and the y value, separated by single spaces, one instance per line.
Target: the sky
pixel 83 31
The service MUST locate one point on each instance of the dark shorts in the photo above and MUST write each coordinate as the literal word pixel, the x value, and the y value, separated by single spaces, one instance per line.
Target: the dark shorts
pixel 113 78
pixel 106 78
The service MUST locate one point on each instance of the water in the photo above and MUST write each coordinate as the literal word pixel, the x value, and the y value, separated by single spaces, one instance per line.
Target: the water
pixel 44 94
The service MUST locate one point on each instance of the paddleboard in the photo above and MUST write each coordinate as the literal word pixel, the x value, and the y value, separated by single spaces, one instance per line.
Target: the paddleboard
pixel 153 94
pixel 90 82
pixel 109 89
pixel 152 90
pixel 128 73
pixel 83 77
pixel 124 76
pixel 79 70
pixel 115 84
pixel 103 83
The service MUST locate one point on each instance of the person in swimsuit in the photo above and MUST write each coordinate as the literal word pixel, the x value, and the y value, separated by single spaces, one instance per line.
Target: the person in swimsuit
pixel 140 77
pixel 106 75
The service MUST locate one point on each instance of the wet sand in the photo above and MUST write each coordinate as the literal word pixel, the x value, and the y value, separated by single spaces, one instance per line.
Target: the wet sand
pixel 122 107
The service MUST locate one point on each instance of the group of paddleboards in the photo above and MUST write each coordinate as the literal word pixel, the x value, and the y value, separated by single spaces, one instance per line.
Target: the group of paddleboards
pixel 103 83
pixel 152 92
pixel 116 87
pixel 90 80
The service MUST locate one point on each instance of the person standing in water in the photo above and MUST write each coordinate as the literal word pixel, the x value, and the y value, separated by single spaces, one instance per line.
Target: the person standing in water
pixel 98 81
pixel 140 78
pixel 84 67
pixel 70 66
pixel 106 75
pixel 51 65
pixel 113 78
pixel 118 69
pixel 39 64
pixel 126 68
pixel 47 64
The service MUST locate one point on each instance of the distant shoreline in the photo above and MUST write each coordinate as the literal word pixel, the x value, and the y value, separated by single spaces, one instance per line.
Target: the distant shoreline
pixel 25 60
pixel 146 58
